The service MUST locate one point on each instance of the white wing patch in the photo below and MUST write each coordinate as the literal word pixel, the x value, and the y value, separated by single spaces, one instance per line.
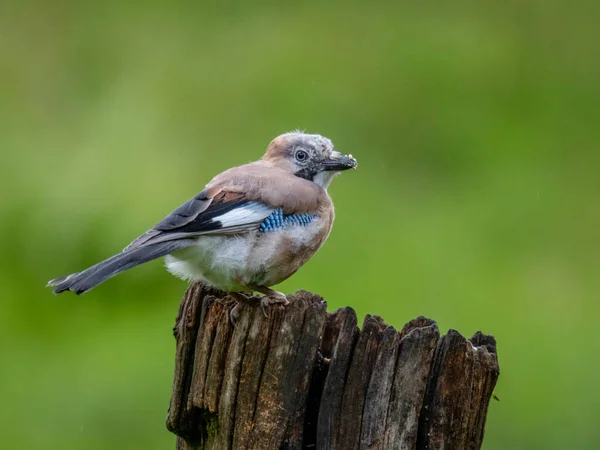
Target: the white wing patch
pixel 241 219
pixel 250 213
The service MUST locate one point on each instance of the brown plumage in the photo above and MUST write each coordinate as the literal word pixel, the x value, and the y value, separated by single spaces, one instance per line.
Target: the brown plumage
pixel 267 182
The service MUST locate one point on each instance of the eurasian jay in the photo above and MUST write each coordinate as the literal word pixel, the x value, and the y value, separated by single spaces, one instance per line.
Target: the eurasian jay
pixel 252 226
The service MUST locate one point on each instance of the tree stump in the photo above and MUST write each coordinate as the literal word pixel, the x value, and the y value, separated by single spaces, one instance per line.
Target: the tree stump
pixel 303 378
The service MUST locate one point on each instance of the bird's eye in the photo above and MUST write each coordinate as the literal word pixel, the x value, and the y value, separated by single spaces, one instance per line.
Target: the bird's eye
pixel 301 156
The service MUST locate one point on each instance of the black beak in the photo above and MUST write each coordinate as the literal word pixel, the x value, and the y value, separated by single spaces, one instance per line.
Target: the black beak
pixel 339 163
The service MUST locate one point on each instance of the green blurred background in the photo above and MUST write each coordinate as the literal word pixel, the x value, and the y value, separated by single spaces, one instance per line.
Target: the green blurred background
pixel 476 126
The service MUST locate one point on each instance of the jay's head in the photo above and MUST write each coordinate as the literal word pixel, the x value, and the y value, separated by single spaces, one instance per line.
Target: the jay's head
pixel 308 156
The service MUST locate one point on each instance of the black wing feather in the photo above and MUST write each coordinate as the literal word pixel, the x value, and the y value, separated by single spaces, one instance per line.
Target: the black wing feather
pixel 196 216
pixel 203 221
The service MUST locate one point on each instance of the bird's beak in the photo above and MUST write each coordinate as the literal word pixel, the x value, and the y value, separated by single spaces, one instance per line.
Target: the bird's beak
pixel 339 162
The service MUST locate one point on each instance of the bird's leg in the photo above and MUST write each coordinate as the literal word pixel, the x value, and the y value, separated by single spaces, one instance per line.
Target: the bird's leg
pixel 271 297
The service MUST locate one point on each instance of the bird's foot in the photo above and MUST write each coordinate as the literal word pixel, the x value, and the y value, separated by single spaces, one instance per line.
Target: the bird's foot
pixel 273 298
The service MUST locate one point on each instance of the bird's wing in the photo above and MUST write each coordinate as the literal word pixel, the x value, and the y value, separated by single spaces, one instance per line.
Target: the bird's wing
pixel 212 211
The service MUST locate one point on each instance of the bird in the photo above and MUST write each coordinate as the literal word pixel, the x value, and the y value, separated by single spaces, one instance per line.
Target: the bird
pixel 251 227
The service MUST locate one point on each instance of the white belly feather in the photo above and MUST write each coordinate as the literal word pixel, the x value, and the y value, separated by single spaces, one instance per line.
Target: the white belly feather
pixel 216 260
pixel 232 262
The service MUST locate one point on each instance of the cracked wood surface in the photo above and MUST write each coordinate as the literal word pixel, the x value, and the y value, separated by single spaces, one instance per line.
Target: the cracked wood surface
pixel 303 378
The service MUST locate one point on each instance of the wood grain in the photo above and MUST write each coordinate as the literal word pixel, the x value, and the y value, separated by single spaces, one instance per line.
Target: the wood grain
pixel 303 378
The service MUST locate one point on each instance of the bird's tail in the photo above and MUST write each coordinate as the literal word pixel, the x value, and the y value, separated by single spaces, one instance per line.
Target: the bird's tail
pixel 81 282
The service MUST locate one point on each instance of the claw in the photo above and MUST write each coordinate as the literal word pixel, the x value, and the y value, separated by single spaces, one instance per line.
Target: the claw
pixel 264 302
pixel 233 314
pixel 273 299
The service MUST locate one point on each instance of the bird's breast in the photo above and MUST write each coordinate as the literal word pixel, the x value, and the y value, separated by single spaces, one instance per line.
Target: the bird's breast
pixel 284 244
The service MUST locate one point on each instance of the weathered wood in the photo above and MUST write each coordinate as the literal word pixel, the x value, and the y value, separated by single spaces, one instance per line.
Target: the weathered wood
pixel 181 419
pixel 303 379
pixel 417 342
pixel 338 345
pixel 461 381
pixel 357 381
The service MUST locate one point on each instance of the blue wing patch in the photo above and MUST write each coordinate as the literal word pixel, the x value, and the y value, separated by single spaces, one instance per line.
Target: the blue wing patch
pixel 278 220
